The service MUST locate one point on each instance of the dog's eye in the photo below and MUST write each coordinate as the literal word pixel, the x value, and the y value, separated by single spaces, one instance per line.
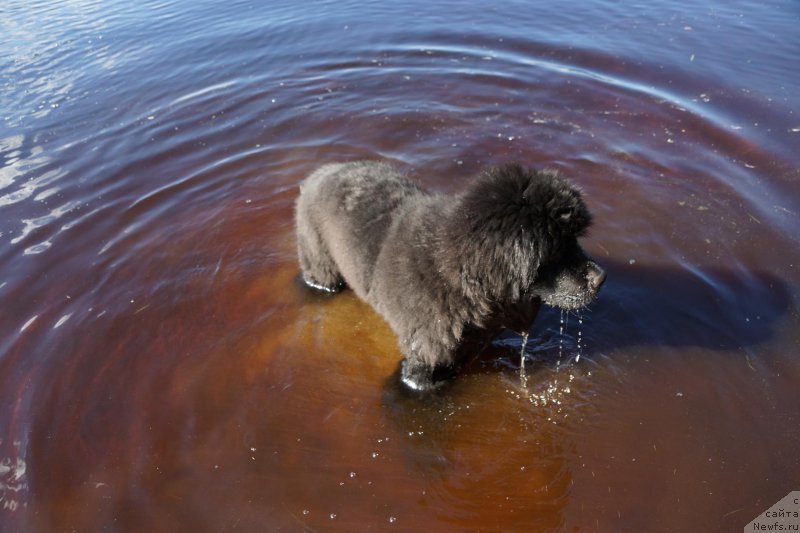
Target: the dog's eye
pixel 564 214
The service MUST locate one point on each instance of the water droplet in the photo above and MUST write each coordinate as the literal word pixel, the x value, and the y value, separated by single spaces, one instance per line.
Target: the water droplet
pixel 561 337
pixel 392 519
pixel 523 378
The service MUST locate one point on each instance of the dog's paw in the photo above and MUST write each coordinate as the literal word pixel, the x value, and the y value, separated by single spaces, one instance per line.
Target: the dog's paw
pixel 314 284
pixel 417 376
pixel 420 377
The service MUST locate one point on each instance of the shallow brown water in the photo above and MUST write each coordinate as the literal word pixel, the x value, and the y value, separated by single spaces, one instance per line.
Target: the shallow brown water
pixel 161 368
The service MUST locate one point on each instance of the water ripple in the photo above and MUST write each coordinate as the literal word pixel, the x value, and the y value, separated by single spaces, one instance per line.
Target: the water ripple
pixel 150 155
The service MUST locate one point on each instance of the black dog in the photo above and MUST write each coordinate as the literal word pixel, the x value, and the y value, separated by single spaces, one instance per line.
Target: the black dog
pixel 446 272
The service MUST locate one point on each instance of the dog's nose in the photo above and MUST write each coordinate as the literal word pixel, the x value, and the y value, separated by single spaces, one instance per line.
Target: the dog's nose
pixel 595 276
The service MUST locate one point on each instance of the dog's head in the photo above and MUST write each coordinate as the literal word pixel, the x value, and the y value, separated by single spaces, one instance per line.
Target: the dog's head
pixel 515 233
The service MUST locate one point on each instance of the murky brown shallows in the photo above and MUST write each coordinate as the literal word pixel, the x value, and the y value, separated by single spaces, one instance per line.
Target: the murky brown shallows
pixel 161 367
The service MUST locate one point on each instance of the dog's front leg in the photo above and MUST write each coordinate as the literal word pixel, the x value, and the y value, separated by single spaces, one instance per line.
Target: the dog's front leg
pixel 430 354
pixel 428 364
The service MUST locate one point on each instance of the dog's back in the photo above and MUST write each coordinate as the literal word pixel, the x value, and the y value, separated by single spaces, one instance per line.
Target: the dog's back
pixel 343 215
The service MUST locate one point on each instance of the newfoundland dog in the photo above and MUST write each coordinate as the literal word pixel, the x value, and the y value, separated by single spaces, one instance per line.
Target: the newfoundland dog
pixel 447 272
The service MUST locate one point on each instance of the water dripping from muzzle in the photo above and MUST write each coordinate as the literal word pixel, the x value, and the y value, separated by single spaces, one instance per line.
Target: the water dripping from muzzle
pixel 522 376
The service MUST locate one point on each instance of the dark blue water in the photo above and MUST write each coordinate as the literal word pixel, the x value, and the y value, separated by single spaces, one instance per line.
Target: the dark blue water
pixel 161 367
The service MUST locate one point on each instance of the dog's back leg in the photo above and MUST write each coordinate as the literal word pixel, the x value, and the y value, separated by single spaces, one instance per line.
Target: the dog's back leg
pixel 319 268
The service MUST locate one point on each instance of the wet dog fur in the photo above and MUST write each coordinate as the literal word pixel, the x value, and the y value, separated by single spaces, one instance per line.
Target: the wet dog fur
pixel 447 272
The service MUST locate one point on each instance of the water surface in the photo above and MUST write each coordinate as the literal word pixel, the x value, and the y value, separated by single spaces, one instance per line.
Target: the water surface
pixel 161 366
